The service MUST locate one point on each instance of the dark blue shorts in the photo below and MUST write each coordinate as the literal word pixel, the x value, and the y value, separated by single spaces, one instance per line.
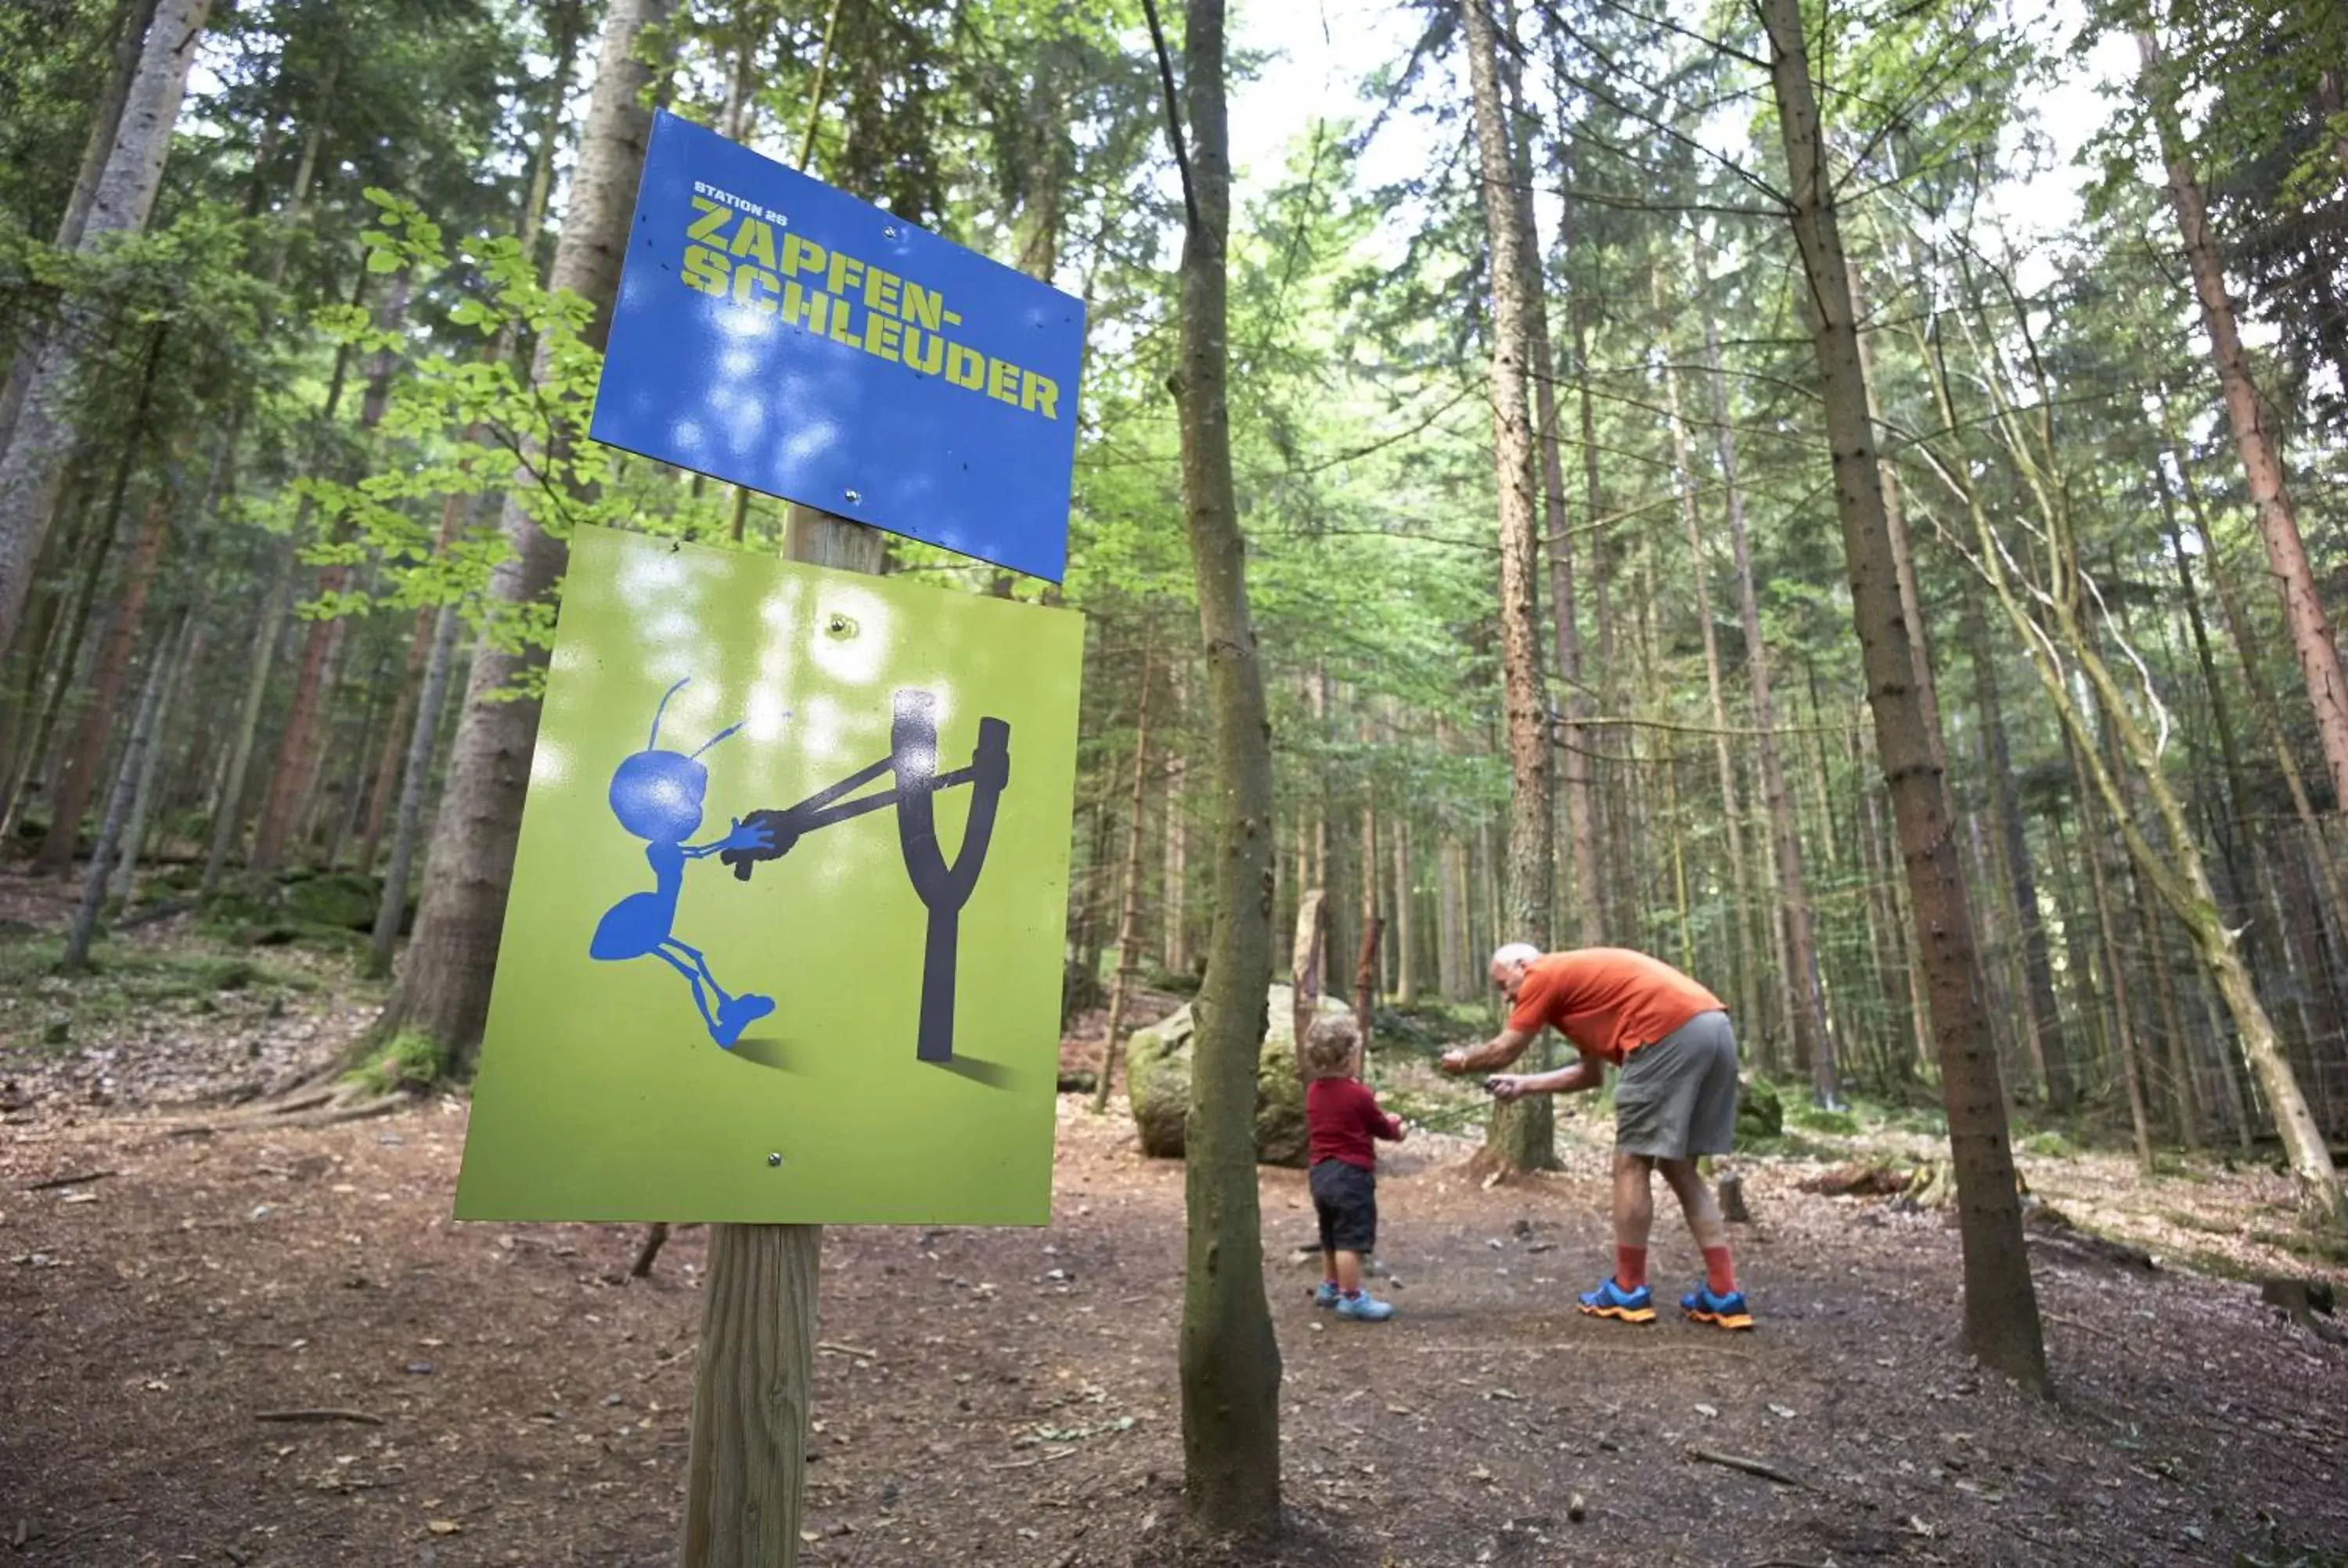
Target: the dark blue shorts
pixel 1345 1197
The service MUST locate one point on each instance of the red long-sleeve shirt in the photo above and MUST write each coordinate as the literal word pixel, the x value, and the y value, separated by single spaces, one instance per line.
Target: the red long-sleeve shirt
pixel 1343 1116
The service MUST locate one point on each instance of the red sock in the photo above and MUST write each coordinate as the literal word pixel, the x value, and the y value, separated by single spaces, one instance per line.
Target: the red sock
pixel 1719 1274
pixel 1630 1266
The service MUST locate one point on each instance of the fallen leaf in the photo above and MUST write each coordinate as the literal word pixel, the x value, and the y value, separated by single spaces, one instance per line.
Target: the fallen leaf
pixel 1781 1412
pixel 443 1527
pixel 1706 1411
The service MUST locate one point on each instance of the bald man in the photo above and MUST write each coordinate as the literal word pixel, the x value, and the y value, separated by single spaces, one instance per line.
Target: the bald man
pixel 1669 1038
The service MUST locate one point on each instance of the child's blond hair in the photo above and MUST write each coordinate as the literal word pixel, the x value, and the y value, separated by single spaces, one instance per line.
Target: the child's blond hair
pixel 1329 1046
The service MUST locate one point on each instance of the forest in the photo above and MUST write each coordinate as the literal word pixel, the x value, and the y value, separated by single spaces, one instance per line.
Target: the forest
pixel 1844 498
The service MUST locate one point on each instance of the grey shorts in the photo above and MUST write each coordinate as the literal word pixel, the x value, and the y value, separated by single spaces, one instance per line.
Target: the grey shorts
pixel 1677 1097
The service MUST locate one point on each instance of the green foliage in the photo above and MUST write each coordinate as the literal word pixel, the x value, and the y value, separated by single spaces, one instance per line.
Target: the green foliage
pixel 125 984
pixel 1760 1111
pixel 1812 1118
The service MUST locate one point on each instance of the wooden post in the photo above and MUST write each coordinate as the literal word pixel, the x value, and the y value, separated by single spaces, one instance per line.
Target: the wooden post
pixel 1366 972
pixel 747 1480
pixel 1304 967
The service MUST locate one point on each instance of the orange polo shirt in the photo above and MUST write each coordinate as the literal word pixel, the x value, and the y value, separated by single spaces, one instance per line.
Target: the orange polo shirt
pixel 1608 1001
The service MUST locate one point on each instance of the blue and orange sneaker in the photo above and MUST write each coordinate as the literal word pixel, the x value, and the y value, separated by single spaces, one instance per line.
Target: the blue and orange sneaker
pixel 1727 1311
pixel 1611 1300
pixel 1364 1307
pixel 1327 1294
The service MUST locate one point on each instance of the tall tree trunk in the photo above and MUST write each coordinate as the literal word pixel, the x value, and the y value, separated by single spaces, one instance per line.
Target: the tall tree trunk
pixel 2262 469
pixel 2184 1097
pixel 44 433
pixel 185 652
pixel 1177 863
pixel 2002 1324
pixel 444 989
pixel 87 754
pixel 1573 740
pixel 1405 909
pixel 1813 1044
pixel 1128 914
pixel 1521 1136
pixel 2094 848
pixel 228 813
pixel 1451 960
pixel 1229 1358
pixel 565 23
pixel 78 936
pixel 1748 965
pixel 415 777
pixel 295 775
pixel 2042 1021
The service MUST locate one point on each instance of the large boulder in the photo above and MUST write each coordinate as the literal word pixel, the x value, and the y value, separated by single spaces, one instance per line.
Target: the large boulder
pixel 1158 1082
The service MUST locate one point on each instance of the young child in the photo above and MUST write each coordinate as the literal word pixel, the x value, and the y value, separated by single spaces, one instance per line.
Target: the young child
pixel 1342 1117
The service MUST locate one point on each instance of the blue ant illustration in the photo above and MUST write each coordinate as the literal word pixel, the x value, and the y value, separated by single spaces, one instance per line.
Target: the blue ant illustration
pixel 656 795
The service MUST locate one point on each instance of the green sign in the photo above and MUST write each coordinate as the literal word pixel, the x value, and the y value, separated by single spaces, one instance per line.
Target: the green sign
pixel 784 935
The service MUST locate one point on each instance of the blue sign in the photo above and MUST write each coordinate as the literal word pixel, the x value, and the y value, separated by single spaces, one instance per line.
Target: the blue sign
pixel 775 333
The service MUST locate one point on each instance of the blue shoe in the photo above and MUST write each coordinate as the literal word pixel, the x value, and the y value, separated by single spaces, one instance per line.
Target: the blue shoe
pixel 737 1013
pixel 1611 1300
pixel 1327 1294
pixel 1727 1311
pixel 1365 1307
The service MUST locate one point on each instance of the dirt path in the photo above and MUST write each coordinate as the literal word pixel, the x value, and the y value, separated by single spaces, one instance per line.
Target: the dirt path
pixel 1008 1397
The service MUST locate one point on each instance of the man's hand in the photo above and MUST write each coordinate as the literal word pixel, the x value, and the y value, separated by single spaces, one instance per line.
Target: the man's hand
pixel 1507 1086
pixel 1454 1061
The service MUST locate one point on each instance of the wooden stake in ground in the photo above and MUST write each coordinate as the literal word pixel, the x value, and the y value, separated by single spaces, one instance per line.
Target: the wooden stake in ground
pixel 746 1480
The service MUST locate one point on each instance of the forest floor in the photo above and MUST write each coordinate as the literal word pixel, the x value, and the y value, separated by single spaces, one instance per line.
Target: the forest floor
pixel 506 1395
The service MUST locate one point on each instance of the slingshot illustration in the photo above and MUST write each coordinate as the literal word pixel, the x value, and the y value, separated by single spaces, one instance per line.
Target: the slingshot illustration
pixel 943 888
pixel 656 795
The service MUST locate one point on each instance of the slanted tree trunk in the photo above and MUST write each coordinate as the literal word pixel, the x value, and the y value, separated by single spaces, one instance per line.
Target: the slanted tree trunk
pixel 2002 1324
pixel 105 120
pixel 443 987
pixel 1521 1135
pixel 1128 914
pixel 2262 469
pixel 1813 1043
pixel 44 433
pixel 1230 1360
